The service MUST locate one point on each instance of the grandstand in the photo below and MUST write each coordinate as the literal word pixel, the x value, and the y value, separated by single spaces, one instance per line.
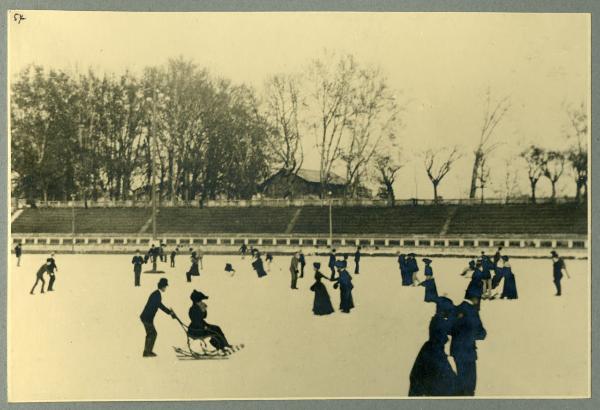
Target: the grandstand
pixel 517 219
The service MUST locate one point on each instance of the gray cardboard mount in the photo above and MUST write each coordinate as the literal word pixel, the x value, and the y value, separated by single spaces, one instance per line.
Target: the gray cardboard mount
pixel 522 6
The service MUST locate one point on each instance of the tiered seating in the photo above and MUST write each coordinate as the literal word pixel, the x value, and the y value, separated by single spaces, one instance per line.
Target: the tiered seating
pixel 371 220
pixel 402 220
pixel 520 219
pixel 92 220
pixel 224 220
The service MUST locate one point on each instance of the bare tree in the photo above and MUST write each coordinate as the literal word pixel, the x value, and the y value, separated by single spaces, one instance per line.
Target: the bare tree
pixel 387 167
pixel 535 158
pixel 373 118
pixel 554 166
pixel 483 176
pixel 283 102
pixel 438 164
pixel 330 104
pixel 494 113
pixel 577 154
pixel 510 181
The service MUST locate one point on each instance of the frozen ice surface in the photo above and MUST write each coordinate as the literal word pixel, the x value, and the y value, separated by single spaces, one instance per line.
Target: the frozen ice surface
pixel 85 340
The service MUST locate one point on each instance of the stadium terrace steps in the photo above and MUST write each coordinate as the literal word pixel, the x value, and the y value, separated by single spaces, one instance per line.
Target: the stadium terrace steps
pixel 402 220
pixel 91 220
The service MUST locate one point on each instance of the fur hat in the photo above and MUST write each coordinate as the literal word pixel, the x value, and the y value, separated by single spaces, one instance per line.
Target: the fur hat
pixel 197 296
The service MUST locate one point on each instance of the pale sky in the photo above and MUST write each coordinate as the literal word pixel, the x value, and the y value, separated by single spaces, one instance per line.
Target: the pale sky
pixel 440 63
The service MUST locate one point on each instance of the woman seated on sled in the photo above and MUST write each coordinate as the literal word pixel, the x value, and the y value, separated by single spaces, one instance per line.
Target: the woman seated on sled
pixel 199 329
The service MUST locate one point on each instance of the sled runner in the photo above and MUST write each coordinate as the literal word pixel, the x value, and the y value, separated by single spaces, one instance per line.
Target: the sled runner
pixel 200 348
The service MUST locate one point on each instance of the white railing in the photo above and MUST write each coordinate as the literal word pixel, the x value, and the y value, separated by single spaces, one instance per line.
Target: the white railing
pixel 266 202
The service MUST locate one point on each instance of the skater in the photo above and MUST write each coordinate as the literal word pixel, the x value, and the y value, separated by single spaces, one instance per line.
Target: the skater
pixel 498 273
pixel 258 265
pixel 468 271
pixel 229 268
pixel 510 284
pixel 199 328
pixel 162 252
pixel 402 263
pixel 498 256
pixel 294 269
pixel 243 250
pixel 344 282
pixel 558 266
pixel 51 267
pixel 137 262
pixel 412 269
pixel 302 261
pixel 174 253
pixel 486 266
pixel 193 271
pixel 322 303
pixel 153 254
pixel 147 316
pixel 465 332
pixel 268 259
pixel 431 294
pixel 432 374
pixel 331 263
pixel 18 252
pixel 475 287
pixel 357 260
pixel 39 277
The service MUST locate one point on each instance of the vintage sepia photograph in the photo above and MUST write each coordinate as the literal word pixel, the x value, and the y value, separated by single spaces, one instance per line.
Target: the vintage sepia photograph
pixel 298 205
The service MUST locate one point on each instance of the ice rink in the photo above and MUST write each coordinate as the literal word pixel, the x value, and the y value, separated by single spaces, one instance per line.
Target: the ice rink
pixel 85 340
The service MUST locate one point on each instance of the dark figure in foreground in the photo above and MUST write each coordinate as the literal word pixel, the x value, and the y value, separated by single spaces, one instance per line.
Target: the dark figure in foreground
pixel 137 262
pixel 302 261
pixel 258 265
pixel 498 256
pixel 558 266
pixel 510 284
pixel 431 293
pixel 431 374
pixel 466 330
pixel 193 271
pixel 147 317
pixel 331 263
pixel 18 253
pixel 487 267
pixel 39 276
pixel 344 282
pixel 174 253
pixel 199 328
pixel 357 260
pixel 322 303
pixel 498 273
pixel 51 268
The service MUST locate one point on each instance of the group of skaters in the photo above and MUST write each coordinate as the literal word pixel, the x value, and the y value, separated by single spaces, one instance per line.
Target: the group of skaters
pixel 432 373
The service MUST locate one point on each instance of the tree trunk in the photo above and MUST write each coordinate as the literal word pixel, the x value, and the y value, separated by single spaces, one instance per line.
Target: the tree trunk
pixel 533 184
pixel 476 162
pixel 553 197
pixel 435 193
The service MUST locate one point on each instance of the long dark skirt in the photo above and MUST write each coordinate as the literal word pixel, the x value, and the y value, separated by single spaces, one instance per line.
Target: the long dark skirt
pixel 194 270
pixel 322 303
pixel 497 278
pixel 475 288
pixel 431 293
pixel 218 339
pixel 259 268
pixel 510 287
pixel 406 277
pixel 346 301
pixel 431 374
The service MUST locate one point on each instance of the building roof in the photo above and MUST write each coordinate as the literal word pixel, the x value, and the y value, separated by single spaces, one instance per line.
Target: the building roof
pixel 311 175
